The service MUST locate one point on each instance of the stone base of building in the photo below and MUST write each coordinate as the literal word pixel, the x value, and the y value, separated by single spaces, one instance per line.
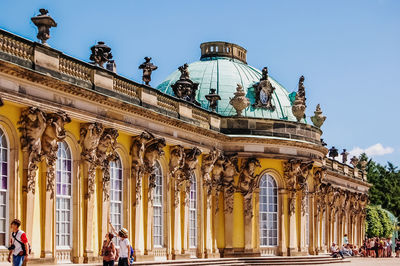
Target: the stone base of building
pixel 238 252
pixel 149 257
pixel 294 252
pixel 180 256
pixel 215 255
pixel 42 261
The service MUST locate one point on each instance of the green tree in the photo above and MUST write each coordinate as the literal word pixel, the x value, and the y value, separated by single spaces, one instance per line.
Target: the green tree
pixel 373 223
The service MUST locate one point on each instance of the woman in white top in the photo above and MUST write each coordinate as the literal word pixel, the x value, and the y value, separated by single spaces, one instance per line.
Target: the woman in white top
pixel 124 246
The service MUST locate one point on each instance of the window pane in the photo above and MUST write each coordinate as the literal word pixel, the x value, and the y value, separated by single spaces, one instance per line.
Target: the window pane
pixel 158 208
pixel 116 196
pixel 63 196
pixel 268 211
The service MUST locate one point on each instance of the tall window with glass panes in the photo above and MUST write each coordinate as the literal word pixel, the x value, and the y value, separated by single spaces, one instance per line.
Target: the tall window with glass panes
pixel 116 195
pixel 158 208
pixel 268 211
pixel 63 196
pixel 193 213
pixel 3 189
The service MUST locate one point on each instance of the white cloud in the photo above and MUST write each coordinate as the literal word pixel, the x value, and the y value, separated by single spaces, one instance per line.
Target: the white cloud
pixel 374 150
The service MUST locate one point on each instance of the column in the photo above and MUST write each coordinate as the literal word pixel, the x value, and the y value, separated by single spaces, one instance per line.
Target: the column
pixel 214 223
pixel 282 228
pixel 139 218
pixel 185 222
pixel 228 221
pixel 313 232
pixel 48 250
pixel 89 176
pixel 292 224
pixel 148 218
pixel 176 220
pixel 208 234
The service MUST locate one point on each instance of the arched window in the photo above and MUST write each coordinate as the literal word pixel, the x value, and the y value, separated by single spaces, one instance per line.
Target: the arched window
pixel 158 208
pixel 193 213
pixel 63 196
pixel 116 195
pixel 268 211
pixel 3 188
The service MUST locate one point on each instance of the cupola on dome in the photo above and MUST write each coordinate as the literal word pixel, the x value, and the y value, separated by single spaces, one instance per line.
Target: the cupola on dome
pixel 223 66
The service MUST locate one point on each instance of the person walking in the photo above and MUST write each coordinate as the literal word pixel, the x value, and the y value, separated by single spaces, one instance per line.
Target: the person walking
pixel 19 247
pixel 108 251
pixel 124 246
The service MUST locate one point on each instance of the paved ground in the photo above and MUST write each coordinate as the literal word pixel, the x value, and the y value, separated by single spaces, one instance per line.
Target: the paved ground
pixel 372 262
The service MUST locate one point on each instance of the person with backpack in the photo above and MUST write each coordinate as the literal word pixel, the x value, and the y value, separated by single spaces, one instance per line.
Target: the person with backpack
pixel 125 249
pixel 19 246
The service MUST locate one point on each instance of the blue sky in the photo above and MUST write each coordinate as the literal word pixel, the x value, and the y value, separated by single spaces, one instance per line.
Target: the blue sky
pixel 348 51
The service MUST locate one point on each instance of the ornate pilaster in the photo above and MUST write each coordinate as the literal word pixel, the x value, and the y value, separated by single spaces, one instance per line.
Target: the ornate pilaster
pixel 53 134
pixel 90 135
pixel 207 165
pixel 246 186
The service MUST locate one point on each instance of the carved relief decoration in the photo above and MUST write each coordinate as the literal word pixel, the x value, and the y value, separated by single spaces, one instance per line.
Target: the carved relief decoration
pixel 53 134
pixel 90 134
pixel 40 134
pixel 297 173
pixel 247 183
pixel 191 160
pixel 153 150
pixel 144 151
pixel 176 163
pixel 104 155
pixel 231 169
pixel 207 165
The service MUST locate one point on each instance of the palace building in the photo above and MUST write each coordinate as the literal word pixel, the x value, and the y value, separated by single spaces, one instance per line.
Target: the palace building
pixel 219 160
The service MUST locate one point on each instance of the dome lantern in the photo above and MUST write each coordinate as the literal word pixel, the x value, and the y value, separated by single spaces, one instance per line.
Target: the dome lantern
pixel 223 49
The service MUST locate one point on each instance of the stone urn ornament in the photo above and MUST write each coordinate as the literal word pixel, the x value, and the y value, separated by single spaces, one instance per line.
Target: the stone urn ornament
pixel 239 101
pixel 213 99
pixel 43 22
pixel 318 119
pixel 299 105
pixel 101 54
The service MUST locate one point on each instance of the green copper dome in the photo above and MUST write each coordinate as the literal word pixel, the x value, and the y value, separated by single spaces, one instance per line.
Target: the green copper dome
pixel 223 73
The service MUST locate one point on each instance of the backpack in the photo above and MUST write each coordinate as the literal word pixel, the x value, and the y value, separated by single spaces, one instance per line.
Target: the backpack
pixel 131 258
pixel 22 245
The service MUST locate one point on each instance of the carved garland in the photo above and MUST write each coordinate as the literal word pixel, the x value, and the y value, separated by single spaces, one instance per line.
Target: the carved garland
pixel 207 166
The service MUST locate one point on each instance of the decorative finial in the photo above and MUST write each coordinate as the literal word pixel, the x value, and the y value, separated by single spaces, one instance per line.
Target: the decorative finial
pixel 43 22
pixel 184 88
pixel 318 119
pixel 299 105
pixel 354 161
pixel 263 92
pixel 148 68
pixel 333 152
pixel 213 99
pixel 239 101
pixel 344 156
pixel 101 54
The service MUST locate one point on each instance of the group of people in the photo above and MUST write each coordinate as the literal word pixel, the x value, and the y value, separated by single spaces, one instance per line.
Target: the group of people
pixel 124 255
pixel 372 247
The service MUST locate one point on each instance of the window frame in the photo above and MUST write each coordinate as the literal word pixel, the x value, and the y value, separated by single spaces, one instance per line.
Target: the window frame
pixel 70 197
pixel 161 206
pixel 276 213
pixel 121 214
pixel 7 190
pixel 194 209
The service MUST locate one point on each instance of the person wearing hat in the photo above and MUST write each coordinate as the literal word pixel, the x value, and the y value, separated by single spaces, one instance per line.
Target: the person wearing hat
pixel 124 246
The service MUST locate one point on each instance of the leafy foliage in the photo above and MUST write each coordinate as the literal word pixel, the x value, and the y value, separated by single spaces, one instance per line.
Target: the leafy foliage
pixel 378 222
pixel 385 190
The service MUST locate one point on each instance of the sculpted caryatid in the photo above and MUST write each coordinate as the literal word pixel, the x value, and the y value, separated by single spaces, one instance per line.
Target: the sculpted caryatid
pixel 147 68
pixel 104 155
pixel 53 134
pixel 176 163
pixel 33 124
pixel 153 152
pixel 230 170
pixel 191 160
pixel 206 167
pixel 89 140
pixel 264 91
pixel 247 183
pixel 137 153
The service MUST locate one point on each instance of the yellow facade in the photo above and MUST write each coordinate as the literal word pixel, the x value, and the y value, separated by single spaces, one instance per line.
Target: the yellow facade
pixel 307 212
